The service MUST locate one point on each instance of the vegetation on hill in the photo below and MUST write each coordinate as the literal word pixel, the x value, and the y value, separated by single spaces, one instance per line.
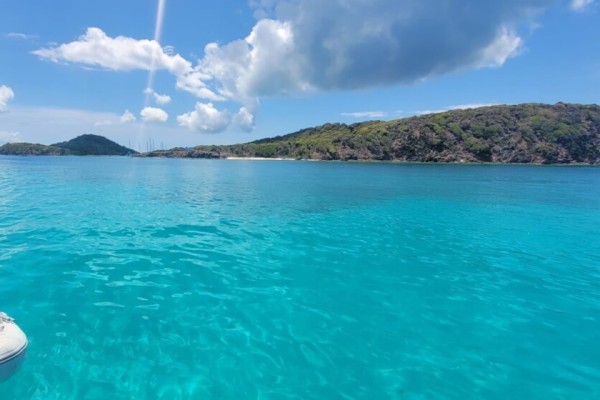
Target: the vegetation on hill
pixel 93 145
pixel 31 149
pixel 527 133
pixel 84 145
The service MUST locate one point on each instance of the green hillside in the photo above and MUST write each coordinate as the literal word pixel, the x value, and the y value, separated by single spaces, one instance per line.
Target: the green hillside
pixel 93 145
pixel 84 145
pixel 31 149
pixel 527 133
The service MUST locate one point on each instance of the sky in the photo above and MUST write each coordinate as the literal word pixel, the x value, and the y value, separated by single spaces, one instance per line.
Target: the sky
pixel 152 74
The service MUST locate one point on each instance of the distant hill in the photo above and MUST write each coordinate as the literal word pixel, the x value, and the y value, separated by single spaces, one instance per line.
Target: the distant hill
pixel 84 145
pixel 93 145
pixel 31 149
pixel 526 133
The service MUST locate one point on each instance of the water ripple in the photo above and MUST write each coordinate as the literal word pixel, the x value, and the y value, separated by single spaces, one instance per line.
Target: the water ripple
pixel 184 280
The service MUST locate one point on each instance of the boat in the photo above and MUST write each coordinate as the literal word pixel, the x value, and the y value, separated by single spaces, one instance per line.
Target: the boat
pixel 13 346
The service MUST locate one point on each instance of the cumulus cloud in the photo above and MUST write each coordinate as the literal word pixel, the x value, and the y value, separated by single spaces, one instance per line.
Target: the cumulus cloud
pixel 299 47
pixel 340 45
pixel 152 114
pixel 127 117
pixel 158 98
pixel 162 98
pixel 6 95
pixel 579 5
pixel 265 63
pixel 95 48
pixel 205 118
pixel 311 45
pixel 244 119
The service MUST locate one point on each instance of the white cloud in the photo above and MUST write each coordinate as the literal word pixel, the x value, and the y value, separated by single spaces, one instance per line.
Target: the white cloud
pixel 383 114
pixel 579 5
pixel 471 105
pixel 314 45
pixel 244 119
pixel 20 36
pixel 52 125
pixel 311 45
pixel 6 95
pixel 162 98
pixel 365 114
pixel 455 107
pixel 127 117
pixel 263 64
pixel 195 82
pixel 113 119
pixel 95 48
pixel 158 98
pixel 152 114
pixel 9 137
pixel 205 119
pixel 425 112
pixel 506 45
pixel 300 47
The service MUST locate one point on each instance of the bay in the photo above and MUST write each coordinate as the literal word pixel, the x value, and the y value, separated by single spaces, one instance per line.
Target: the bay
pixel 220 279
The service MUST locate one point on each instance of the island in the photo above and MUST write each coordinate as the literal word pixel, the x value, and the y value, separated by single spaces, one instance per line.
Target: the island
pixel 84 145
pixel 526 133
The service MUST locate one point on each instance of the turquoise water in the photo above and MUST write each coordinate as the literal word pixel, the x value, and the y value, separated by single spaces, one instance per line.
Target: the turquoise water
pixel 214 279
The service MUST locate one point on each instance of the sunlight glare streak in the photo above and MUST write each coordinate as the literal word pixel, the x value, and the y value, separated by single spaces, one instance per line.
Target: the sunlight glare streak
pixel 160 14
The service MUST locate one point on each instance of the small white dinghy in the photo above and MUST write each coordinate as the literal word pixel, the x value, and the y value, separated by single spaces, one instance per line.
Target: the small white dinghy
pixel 13 346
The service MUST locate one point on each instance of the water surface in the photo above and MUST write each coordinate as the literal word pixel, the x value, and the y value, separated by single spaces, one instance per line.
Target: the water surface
pixel 215 279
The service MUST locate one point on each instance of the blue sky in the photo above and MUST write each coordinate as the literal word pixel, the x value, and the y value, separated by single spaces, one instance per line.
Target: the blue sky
pixel 180 73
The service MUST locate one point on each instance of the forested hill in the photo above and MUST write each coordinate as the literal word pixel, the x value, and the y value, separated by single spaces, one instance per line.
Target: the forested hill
pixel 84 145
pixel 93 145
pixel 526 133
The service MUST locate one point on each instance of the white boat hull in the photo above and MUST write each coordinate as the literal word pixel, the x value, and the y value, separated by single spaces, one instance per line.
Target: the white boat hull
pixel 13 347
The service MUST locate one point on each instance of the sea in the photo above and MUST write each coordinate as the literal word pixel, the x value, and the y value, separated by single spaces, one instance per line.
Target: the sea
pixel 176 279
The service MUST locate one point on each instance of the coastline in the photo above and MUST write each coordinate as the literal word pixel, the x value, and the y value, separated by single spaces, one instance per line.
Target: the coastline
pixel 260 158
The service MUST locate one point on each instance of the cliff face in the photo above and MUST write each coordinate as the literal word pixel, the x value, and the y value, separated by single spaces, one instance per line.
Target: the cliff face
pixel 527 133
